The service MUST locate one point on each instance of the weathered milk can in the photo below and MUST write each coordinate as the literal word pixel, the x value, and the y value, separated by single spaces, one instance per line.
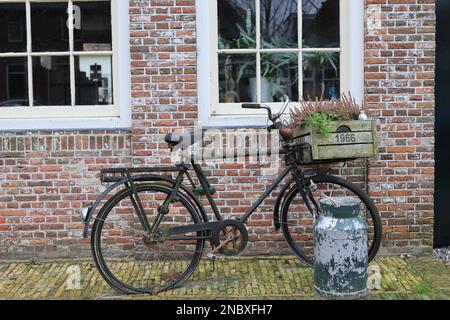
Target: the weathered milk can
pixel 341 251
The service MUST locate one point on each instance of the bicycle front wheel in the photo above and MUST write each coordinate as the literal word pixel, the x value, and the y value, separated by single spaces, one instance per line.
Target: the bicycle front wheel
pixel 298 223
pixel 134 261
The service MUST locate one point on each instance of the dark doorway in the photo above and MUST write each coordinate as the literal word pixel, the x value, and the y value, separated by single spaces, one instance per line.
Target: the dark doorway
pixel 442 207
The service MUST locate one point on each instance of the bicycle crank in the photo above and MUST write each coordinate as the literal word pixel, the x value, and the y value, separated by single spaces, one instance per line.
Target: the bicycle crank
pixel 229 237
pixel 233 239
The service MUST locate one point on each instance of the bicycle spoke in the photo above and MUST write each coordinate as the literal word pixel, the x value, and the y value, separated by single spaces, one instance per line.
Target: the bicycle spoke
pixel 111 224
pixel 297 221
pixel 152 262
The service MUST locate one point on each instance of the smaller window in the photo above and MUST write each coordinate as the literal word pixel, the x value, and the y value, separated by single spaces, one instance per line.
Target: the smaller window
pixel 48 63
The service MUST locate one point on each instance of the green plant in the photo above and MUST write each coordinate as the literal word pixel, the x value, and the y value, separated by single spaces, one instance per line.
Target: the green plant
pixel 247 35
pixel 314 61
pixel 321 60
pixel 322 121
pixel 272 65
pixel 32 262
pixel 320 112
pixel 426 286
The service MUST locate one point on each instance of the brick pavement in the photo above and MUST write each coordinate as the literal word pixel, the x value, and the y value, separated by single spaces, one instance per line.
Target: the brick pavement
pixel 241 278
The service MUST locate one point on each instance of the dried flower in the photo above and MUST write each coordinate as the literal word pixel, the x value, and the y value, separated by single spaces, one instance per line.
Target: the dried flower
pixel 342 109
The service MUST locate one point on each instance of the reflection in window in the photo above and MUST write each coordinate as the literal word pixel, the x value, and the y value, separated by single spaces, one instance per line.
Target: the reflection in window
pixel 321 75
pixel 279 76
pixel 51 81
pixel 280 47
pixel 237 78
pixel 321 23
pixel 93 80
pixel 279 24
pixel 94 30
pixel 51 57
pixel 49 26
pixel 12 27
pixel 237 26
pixel 13 82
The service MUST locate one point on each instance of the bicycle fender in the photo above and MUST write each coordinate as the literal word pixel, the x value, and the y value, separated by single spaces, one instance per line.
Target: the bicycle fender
pixel 93 208
pixel 278 205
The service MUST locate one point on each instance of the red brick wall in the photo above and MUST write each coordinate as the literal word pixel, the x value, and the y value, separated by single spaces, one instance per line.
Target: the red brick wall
pixel 46 177
pixel 400 64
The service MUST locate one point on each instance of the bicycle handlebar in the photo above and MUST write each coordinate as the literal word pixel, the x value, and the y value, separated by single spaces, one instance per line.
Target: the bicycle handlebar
pixel 276 125
pixel 251 106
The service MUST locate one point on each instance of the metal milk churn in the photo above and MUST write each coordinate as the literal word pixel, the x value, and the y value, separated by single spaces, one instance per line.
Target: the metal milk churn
pixel 341 250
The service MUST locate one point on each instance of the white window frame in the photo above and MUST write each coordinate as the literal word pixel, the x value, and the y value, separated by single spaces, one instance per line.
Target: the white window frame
pixel 115 116
pixel 214 114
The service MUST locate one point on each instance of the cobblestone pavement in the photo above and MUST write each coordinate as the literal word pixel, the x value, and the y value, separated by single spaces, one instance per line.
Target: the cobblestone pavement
pixel 243 278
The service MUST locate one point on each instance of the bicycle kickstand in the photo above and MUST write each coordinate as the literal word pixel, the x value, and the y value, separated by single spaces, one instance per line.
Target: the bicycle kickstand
pixel 212 255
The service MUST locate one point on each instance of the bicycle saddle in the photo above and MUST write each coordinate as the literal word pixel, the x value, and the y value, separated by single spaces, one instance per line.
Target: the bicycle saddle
pixel 183 139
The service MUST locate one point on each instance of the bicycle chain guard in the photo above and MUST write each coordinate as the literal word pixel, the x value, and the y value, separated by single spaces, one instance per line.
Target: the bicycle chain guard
pixel 228 237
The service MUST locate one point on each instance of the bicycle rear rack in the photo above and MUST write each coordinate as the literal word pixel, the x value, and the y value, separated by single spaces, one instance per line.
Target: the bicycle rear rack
pixel 117 174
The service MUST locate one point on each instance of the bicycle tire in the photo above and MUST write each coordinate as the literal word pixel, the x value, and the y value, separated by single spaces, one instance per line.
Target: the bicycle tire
pixel 376 220
pixel 96 242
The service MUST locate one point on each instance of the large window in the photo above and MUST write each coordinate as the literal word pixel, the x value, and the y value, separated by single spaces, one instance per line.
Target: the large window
pixel 58 59
pixel 261 50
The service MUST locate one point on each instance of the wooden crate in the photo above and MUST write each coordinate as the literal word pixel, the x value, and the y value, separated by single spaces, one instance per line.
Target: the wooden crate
pixel 348 140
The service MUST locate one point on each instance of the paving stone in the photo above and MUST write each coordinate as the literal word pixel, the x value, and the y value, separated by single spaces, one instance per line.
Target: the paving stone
pixel 237 278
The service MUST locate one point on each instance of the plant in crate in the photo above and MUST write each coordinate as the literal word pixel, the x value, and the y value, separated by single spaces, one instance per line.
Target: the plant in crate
pixel 321 113
pixel 333 129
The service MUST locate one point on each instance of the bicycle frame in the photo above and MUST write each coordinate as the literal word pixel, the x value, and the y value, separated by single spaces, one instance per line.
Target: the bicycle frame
pixel 129 181
pixel 205 185
pixel 213 228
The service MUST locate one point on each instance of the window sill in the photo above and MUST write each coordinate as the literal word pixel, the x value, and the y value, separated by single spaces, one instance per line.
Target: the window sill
pixel 235 122
pixel 13 125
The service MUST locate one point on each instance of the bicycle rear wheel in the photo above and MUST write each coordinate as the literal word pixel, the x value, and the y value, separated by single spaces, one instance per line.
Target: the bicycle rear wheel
pixel 134 261
pixel 298 223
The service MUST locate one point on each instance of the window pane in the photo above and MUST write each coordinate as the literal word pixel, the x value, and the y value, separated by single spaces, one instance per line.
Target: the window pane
pixel 51 81
pixel 321 23
pixel 13 82
pixel 13 37
pixel 92 29
pixel 279 76
pixel 279 24
pixel 237 78
pixel 93 80
pixel 49 26
pixel 236 24
pixel 321 75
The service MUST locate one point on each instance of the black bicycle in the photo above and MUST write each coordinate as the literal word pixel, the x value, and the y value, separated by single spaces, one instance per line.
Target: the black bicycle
pixel 150 235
